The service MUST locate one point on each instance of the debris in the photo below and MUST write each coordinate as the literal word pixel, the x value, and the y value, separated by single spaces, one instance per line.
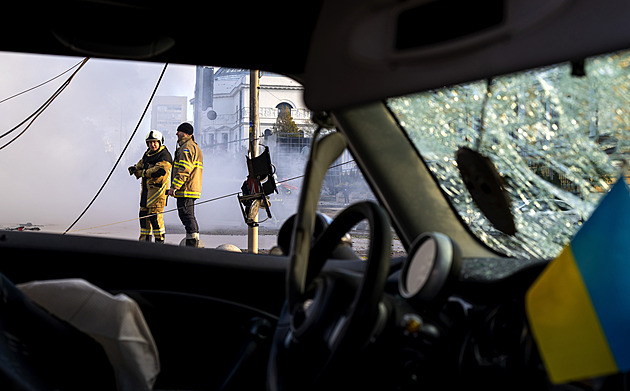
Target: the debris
pixel 23 227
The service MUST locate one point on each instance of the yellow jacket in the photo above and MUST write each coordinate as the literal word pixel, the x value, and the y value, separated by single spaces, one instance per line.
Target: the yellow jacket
pixel 154 169
pixel 187 169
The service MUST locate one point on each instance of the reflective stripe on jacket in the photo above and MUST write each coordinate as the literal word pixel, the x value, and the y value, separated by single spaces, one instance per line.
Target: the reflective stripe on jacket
pixel 187 169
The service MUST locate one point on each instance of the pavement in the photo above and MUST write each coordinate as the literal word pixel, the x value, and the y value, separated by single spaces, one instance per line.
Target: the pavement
pixel 174 237
pixel 211 238
pixel 129 231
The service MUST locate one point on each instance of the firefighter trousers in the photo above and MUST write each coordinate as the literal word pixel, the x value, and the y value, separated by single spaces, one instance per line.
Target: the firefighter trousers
pixel 186 212
pixel 152 224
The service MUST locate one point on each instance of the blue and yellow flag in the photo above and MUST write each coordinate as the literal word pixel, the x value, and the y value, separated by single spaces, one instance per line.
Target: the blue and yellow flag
pixel 579 307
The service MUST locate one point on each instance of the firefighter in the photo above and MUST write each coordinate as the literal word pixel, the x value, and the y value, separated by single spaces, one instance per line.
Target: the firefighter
pixel 154 169
pixel 186 181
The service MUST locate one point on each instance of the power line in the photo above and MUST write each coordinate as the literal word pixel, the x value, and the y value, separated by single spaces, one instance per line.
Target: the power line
pixel 41 109
pixel 196 204
pixel 46 82
pixel 175 209
pixel 122 152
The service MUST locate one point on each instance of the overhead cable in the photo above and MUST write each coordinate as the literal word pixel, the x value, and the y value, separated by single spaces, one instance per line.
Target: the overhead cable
pixel 41 109
pixel 196 204
pixel 46 82
pixel 123 151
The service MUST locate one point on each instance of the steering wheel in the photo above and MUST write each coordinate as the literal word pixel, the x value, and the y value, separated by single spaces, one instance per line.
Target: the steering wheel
pixel 330 315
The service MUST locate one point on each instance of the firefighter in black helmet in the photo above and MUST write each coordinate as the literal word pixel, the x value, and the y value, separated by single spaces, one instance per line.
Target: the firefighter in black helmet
pixel 186 181
pixel 154 168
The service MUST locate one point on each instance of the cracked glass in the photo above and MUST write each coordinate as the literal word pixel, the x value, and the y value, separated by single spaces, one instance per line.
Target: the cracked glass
pixel 557 136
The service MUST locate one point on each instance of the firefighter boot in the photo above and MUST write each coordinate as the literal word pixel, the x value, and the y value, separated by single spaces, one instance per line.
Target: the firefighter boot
pixel 192 240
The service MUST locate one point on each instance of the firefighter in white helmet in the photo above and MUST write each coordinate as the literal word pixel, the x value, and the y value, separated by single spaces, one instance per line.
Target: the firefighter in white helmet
pixel 154 168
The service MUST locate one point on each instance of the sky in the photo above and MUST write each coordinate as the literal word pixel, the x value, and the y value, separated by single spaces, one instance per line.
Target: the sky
pixel 51 173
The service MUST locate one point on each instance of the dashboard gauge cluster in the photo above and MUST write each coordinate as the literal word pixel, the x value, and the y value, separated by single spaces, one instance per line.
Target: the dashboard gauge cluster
pixel 433 261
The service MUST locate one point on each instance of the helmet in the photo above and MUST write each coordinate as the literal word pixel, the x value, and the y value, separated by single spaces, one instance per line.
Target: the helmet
pixel 155 135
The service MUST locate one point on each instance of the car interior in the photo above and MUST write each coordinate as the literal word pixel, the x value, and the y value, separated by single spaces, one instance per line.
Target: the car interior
pixel 450 314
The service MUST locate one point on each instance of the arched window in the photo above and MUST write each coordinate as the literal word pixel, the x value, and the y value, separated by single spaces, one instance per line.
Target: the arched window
pixel 285 126
pixel 284 109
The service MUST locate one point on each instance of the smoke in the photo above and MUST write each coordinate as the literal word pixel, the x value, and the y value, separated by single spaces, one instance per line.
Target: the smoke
pixel 55 168
pixel 50 174
pixel 224 175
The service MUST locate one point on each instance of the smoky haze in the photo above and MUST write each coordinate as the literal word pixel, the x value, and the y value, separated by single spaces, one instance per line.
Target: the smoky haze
pixel 55 168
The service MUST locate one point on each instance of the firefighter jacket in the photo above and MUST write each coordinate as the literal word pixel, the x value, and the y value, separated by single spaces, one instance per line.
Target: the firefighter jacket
pixel 187 169
pixel 154 169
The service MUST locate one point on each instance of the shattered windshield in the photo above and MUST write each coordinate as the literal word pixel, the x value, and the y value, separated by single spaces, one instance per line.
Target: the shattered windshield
pixel 557 137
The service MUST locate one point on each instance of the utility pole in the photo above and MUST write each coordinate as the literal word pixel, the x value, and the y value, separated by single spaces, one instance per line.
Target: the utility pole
pixel 252 232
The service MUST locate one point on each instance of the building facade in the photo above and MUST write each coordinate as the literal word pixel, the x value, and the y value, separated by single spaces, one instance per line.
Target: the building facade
pixel 222 115
pixel 221 109
pixel 167 112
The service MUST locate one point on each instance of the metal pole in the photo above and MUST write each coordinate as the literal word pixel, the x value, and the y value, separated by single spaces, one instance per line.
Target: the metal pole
pixel 252 232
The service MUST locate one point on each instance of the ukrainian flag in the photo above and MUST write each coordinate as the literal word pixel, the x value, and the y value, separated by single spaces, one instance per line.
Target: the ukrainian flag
pixel 579 307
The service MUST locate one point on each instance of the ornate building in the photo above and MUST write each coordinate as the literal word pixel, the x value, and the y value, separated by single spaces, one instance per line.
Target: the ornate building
pixel 221 120
pixel 221 107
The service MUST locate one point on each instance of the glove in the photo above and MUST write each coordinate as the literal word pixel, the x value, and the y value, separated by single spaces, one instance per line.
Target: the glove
pixel 158 173
pixel 131 169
